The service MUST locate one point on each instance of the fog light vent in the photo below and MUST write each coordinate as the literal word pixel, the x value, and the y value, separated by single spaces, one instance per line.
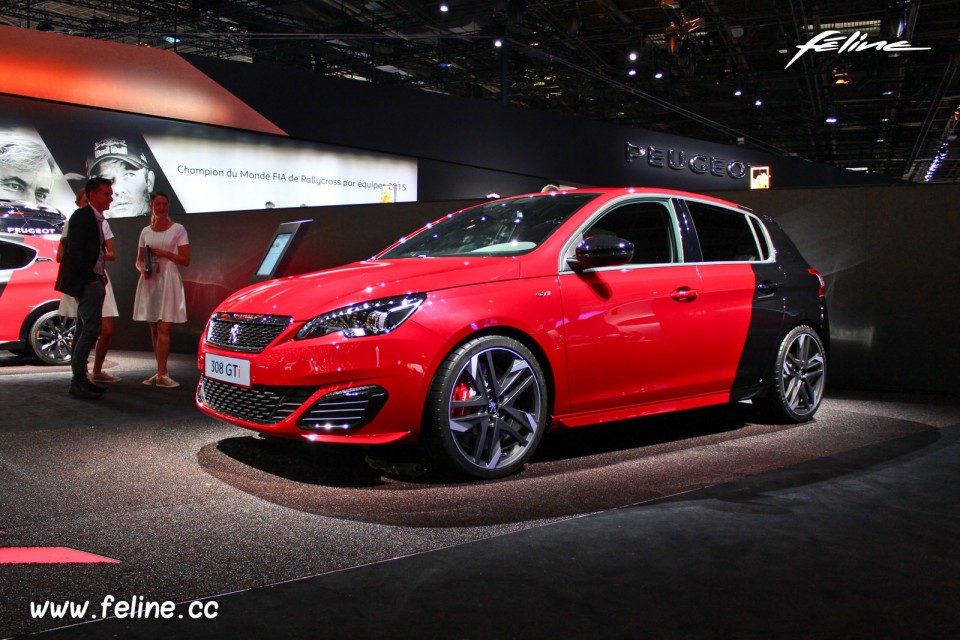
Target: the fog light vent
pixel 344 409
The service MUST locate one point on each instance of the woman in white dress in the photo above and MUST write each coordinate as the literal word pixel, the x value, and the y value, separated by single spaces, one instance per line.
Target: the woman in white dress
pixel 68 304
pixel 160 298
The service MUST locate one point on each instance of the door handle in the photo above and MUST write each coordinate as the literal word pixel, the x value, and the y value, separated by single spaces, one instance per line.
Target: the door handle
pixel 684 294
pixel 767 287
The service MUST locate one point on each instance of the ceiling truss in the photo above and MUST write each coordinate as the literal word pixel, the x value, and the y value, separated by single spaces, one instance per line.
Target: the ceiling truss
pixel 896 114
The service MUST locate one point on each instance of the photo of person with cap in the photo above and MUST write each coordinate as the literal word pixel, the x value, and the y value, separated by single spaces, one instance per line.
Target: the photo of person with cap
pixel 26 168
pixel 127 168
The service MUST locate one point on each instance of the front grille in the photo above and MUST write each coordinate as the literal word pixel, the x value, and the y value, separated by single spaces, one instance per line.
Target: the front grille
pixel 345 409
pixel 261 403
pixel 245 332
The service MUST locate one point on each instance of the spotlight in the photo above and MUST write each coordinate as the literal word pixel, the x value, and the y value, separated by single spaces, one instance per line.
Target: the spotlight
pixel 738 92
pixel 658 75
pixel 632 56
pixel 758 102
pixel 841 74
pixel 632 72
pixel 783 42
pixel 672 39
pixel 444 7
pixel 937 161
pixel 498 43
pixel 895 22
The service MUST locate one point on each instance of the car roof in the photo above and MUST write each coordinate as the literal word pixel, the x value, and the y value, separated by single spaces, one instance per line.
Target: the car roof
pixel 611 192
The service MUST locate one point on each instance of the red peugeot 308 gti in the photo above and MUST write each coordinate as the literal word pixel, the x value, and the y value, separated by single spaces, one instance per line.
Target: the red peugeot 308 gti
pixel 476 334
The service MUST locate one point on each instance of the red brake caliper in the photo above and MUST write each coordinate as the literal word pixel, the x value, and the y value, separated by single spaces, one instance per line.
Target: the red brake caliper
pixel 460 393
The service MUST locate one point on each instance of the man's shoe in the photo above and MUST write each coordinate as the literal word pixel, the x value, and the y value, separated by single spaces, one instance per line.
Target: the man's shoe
pixel 95 388
pixel 82 392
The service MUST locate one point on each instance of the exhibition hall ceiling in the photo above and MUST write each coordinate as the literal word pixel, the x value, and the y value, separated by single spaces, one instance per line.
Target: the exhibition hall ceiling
pixel 795 77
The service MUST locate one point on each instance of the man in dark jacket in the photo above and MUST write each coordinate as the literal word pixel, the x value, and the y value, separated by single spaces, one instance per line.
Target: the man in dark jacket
pixel 83 275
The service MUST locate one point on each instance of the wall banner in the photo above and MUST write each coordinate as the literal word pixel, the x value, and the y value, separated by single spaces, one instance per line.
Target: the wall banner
pixel 48 151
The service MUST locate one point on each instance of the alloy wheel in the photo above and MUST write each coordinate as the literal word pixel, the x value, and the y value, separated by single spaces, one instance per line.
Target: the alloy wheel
pixel 496 408
pixel 51 338
pixel 802 375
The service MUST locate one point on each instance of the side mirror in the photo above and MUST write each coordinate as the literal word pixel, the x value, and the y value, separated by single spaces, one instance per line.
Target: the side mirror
pixel 601 251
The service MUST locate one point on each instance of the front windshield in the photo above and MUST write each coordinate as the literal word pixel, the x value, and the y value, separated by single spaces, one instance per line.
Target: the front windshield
pixel 502 228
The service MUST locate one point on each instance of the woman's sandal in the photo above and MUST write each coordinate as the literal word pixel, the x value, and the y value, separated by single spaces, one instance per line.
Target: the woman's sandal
pixel 166 382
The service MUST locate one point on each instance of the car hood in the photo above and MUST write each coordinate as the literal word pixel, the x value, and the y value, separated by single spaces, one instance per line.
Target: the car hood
pixel 308 295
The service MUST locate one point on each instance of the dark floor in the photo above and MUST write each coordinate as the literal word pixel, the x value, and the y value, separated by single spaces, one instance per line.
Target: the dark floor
pixel 698 525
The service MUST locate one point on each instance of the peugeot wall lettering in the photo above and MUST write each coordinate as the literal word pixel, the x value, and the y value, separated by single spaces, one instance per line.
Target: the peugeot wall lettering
pixel 830 41
pixel 679 159
pixel 492 325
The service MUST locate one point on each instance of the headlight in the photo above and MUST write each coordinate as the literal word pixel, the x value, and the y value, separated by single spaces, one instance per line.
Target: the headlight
pixel 372 318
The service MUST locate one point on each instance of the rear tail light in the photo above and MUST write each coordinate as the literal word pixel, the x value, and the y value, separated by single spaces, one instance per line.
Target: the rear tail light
pixel 823 283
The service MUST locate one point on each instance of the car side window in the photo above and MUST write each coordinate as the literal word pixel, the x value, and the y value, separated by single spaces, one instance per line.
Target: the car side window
pixel 725 235
pixel 761 238
pixel 648 225
pixel 14 255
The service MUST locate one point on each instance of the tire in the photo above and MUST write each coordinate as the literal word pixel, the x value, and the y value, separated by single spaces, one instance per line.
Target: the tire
pixel 51 338
pixel 486 409
pixel 799 377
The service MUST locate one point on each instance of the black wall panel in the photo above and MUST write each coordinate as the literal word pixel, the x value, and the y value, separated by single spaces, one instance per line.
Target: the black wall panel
pixel 490 136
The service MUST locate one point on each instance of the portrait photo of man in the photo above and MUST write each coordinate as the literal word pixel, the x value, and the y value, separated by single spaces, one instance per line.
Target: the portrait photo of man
pixel 127 168
pixel 26 168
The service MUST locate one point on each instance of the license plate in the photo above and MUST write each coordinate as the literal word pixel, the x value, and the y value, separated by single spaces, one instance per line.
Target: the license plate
pixel 232 370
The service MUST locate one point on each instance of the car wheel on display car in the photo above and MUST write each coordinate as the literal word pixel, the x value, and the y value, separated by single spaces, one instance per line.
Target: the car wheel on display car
pixel 799 377
pixel 486 409
pixel 51 337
